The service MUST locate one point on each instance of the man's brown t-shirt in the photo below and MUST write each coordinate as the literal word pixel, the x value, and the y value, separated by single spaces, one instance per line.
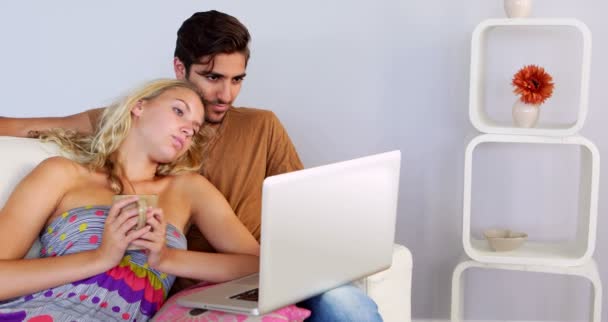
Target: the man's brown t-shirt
pixel 248 146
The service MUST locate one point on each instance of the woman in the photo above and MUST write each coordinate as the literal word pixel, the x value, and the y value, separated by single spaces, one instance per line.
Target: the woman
pixel 148 143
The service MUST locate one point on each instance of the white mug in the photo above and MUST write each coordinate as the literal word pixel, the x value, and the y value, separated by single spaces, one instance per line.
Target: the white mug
pixel 142 204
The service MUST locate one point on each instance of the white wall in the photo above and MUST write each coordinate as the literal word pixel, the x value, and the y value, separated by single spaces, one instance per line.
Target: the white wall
pixel 347 78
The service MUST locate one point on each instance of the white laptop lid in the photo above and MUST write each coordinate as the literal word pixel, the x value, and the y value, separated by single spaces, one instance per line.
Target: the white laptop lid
pixel 326 226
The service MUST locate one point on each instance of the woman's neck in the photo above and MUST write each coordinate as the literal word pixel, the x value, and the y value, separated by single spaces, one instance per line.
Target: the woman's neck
pixel 133 164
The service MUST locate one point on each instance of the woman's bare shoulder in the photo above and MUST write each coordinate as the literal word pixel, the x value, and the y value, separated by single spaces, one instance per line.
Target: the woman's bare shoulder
pixel 193 187
pixel 190 180
pixel 60 167
pixel 60 163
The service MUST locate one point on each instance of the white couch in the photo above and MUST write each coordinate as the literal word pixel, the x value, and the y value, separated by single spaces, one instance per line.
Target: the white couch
pixel 390 289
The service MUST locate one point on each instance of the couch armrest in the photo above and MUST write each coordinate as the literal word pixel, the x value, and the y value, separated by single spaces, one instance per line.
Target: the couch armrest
pixel 391 288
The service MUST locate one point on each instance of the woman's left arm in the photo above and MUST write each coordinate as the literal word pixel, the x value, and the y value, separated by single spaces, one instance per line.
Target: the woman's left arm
pixel 238 251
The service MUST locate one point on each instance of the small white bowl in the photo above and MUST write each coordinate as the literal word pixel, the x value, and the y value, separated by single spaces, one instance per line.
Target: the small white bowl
pixel 502 240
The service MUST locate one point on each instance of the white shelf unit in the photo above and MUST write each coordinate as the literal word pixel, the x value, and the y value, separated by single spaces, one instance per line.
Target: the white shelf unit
pixel 587 271
pixel 478 115
pixel 540 253
pixel 570 258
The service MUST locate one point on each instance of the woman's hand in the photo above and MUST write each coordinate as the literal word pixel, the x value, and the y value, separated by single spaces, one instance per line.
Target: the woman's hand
pixel 154 241
pixel 118 232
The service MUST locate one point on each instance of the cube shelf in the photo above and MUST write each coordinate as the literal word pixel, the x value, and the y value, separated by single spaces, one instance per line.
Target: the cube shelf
pixel 572 253
pixel 588 271
pixel 478 113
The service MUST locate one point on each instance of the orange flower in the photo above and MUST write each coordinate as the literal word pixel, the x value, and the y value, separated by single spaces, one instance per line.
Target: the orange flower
pixel 533 84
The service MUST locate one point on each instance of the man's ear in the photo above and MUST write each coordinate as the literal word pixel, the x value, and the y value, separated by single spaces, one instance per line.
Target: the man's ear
pixel 179 68
pixel 138 108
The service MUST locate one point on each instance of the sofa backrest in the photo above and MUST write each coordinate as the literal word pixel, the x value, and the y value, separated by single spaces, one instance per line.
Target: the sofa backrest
pixel 18 156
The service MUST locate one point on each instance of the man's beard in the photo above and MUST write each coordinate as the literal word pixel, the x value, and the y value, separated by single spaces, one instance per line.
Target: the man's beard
pixel 215 102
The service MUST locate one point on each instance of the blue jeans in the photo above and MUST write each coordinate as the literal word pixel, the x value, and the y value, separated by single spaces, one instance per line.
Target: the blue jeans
pixel 343 304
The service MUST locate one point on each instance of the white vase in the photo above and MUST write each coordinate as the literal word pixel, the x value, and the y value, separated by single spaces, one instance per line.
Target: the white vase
pixel 525 115
pixel 518 8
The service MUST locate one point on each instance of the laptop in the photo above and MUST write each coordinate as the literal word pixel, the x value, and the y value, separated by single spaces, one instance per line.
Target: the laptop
pixel 321 228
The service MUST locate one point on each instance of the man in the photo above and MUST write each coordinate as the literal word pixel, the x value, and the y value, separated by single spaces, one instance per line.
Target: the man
pixel 244 145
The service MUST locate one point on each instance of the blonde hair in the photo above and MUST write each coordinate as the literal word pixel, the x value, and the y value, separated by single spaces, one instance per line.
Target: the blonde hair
pixel 96 150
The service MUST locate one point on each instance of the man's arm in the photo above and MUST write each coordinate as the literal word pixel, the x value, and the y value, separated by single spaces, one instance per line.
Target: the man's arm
pixel 83 122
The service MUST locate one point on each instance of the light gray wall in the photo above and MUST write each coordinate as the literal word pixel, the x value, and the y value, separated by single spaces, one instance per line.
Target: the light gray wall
pixel 350 78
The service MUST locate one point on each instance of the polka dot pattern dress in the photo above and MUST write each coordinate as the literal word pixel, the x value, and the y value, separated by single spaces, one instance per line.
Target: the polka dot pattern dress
pixel 131 291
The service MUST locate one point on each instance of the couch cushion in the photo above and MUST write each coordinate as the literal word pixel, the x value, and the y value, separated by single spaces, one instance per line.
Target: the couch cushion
pixel 19 157
pixel 391 288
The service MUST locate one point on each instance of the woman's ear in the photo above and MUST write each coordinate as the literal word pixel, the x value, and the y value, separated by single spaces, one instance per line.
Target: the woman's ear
pixel 138 108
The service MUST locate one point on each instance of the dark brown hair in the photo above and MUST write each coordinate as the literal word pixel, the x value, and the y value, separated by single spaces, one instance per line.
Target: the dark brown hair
pixel 209 33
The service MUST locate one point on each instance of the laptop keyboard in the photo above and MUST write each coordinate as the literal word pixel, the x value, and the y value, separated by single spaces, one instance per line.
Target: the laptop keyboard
pixel 251 295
